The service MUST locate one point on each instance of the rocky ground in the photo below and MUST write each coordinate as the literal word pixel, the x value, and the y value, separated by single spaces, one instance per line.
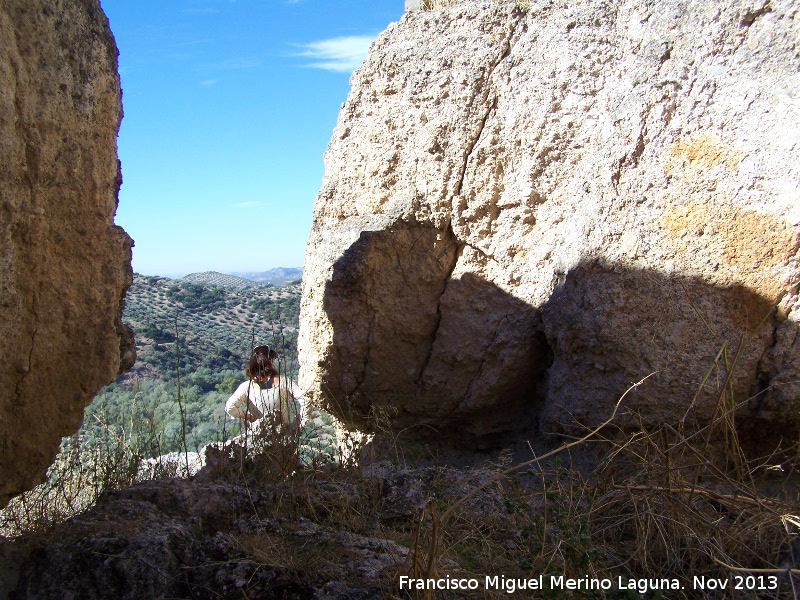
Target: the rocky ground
pixel 242 529
pixel 320 534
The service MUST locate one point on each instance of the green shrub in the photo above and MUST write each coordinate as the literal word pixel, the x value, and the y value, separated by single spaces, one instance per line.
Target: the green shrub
pixel 157 334
pixel 198 297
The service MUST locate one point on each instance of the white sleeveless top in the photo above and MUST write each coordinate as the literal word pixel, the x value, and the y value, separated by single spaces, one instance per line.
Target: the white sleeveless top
pixel 282 399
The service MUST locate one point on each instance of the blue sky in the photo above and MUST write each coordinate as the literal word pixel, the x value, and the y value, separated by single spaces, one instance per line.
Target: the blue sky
pixel 229 106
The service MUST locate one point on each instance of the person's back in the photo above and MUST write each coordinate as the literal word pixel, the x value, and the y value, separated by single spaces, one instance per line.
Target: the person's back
pixel 282 405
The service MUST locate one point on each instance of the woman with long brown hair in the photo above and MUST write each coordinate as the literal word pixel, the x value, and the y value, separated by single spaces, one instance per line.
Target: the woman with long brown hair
pixel 263 393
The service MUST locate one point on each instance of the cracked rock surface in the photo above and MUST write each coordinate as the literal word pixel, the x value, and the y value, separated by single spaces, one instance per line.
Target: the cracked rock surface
pixel 64 265
pixel 526 210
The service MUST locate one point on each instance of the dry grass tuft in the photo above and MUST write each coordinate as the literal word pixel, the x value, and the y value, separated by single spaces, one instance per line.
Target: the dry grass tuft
pixel 673 503
pixel 432 5
pixel 82 471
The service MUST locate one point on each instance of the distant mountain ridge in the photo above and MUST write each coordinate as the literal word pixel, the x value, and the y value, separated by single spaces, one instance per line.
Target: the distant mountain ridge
pixel 279 276
pixel 223 280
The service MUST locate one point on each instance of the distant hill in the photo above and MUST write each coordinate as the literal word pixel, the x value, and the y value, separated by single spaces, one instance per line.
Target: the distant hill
pixel 228 281
pixel 279 276
pixel 215 328
pixel 216 323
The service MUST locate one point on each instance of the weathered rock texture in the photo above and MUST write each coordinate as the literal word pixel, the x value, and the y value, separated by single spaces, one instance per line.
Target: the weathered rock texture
pixel 525 210
pixel 64 265
pixel 207 539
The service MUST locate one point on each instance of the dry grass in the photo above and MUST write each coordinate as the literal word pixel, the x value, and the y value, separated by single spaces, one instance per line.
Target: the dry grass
pixel 270 451
pixel 81 472
pixel 432 5
pixel 131 451
pixel 673 503
pixel 668 504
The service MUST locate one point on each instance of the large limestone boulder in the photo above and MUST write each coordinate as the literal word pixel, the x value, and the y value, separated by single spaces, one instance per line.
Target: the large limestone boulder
pixel 64 265
pixel 528 206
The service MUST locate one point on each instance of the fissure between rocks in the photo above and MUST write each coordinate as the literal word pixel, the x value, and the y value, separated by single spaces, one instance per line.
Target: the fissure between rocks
pixel 457 255
pixel 751 15
pixel 370 339
pixel 500 328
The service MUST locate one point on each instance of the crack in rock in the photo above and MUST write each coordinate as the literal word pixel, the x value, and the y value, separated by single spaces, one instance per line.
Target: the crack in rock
pixel 370 341
pixel 501 327
pixel 468 154
pixel 432 342
pixel 17 390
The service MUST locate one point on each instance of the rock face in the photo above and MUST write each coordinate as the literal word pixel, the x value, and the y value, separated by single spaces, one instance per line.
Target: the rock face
pixel 64 265
pixel 527 207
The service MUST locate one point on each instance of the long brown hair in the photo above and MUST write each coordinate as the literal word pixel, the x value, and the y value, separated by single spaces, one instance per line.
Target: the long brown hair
pixel 262 363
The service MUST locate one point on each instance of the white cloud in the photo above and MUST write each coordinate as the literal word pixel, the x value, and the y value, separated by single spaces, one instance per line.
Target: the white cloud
pixel 341 54
pixel 201 10
pixel 209 82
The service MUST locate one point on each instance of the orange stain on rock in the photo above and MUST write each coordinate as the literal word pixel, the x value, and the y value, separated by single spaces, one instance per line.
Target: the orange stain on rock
pixel 703 151
pixel 751 245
